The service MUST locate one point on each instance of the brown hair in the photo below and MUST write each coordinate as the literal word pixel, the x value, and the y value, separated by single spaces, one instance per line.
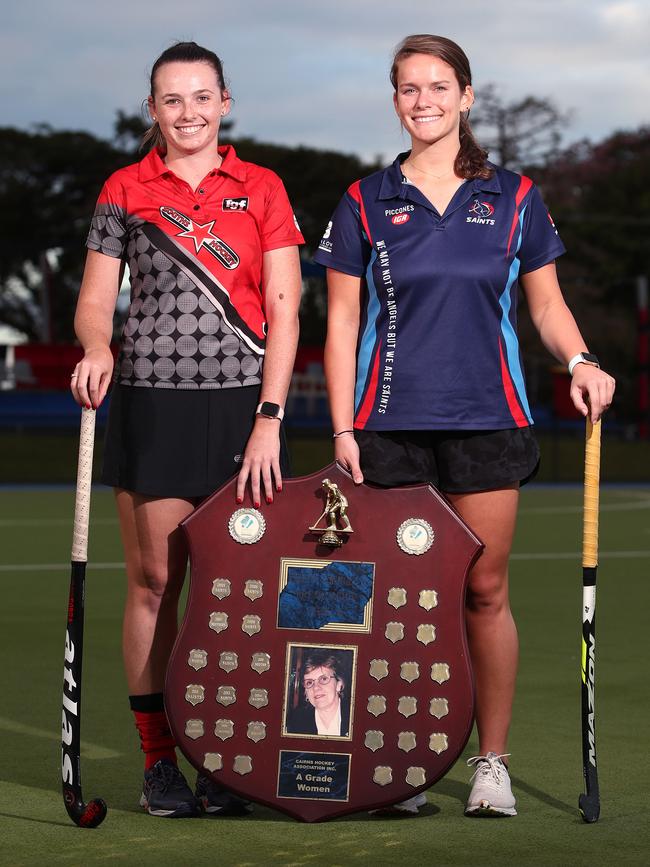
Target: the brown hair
pixel 471 158
pixel 183 52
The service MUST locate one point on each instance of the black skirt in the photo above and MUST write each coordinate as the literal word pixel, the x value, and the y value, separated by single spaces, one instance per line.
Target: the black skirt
pixel 178 443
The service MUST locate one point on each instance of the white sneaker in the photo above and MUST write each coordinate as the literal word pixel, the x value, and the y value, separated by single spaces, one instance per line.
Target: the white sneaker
pixel 491 793
pixel 411 805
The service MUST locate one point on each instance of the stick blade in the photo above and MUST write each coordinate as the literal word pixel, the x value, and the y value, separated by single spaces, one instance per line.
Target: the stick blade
pixel 589 807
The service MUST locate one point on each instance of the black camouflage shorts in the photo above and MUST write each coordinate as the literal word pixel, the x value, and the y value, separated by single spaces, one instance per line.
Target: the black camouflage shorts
pixel 459 462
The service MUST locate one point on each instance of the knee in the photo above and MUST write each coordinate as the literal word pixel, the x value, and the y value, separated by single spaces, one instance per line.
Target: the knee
pixel 154 587
pixel 487 594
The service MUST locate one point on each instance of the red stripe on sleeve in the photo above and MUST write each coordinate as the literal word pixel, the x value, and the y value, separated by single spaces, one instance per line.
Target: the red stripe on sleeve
pixel 355 192
pixel 371 392
pixel 524 185
pixel 509 389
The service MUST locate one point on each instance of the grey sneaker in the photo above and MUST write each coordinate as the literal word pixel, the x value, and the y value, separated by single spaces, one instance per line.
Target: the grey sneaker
pixel 491 793
pixel 165 792
pixel 411 807
pixel 215 799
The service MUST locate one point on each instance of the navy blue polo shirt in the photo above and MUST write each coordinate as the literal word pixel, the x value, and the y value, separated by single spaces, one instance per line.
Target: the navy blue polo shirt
pixel 438 345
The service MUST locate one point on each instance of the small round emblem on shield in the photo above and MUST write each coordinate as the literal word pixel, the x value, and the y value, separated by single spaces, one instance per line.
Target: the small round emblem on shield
pixel 258 698
pixel 247 526
pixel 253 589
pixel 377 704
pixel 228 660
pixel 256 731
pixel 251 624
pixel 374 740
pixel 426 633
pixel 242 765
pixel 260 662
pixel 407 705
pixel 383 775
pixel 415 536
pixel 440 672
pixel 409 671
pixel 378 669
pixel 394 631
pixel 197 659
pixel 213 762
pixel 226 695
pixel 224 729
pixel 194 694
pixel 428 599
pixel 397 597
pixel 416 777
pixel 406 741
pixel 194 728
pixel 438 742
pixel 438 707
pixel 218 621
pixel 221 588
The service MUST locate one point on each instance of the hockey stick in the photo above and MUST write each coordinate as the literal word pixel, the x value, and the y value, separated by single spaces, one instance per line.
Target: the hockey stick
pixel 92 814
pixel 589 803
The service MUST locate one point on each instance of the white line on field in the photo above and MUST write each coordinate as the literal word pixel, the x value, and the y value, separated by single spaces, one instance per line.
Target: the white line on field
pixel 531 555
pixel 88 750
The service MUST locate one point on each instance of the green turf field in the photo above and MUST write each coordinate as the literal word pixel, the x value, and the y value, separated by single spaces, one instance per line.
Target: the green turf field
pixel 35 528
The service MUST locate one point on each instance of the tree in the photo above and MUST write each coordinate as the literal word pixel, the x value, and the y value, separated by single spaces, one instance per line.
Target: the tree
pixel 524 132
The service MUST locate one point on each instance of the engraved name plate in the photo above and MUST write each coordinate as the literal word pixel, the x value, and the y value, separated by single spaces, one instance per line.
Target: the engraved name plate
pixel 374 740
pixel 416 777
pixel 378 668
pixel 226 695
pixel 218 621
pixel 213 762
pixel 194 728
pixel 221 588
pixel 394 631
pixel 438 707
pixel 260 662
pixel 256 731
pixel 397 597
pixel 409 671
pixel 426 633
pixel 253 589
pixel 406 741
pixel 383 775
pixel 377 704
pixel 258 697
pixel 242 765
pixel 428 599
pixel 438 742
pixel 251 624
pixel 440 672
pixel 407 705
pixel 224 729
pixel 197 659
pixel 194 694
pixel 228 660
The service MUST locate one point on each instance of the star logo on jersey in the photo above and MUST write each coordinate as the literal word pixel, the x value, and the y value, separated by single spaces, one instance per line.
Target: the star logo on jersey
pixel 202 236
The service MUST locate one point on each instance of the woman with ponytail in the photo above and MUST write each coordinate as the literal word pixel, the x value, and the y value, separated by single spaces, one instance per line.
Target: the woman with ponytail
pixel 424 372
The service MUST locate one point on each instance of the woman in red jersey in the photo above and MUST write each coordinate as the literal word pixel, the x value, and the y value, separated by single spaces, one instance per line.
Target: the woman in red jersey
pixel 205 361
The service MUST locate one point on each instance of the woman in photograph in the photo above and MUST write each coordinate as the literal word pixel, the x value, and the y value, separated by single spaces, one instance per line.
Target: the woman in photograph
pixel 422 359
pixel 326 707
pixel 204 366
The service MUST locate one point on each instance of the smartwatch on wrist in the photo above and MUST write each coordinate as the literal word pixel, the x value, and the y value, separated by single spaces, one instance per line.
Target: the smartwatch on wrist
pixel 270 410
pixel 583 358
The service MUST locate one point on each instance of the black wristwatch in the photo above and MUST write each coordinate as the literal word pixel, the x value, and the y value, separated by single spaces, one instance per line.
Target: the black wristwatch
pixel 270 410
pixel 583 358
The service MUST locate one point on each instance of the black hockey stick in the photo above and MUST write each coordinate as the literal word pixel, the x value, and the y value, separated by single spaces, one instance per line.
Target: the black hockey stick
pixel 589 803
pixel 92 814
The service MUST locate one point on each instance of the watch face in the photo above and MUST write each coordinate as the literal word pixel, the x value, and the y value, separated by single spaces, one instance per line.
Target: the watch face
pixel 588 356
pixel 268 408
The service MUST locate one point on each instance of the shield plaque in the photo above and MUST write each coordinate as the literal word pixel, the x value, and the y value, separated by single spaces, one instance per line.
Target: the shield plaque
pixel 322 668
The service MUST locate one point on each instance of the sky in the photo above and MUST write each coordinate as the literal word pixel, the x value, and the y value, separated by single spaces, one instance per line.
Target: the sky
pixel 316 73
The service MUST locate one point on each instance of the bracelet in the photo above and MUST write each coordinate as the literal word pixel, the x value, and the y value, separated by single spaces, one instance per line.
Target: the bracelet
pixel 341 432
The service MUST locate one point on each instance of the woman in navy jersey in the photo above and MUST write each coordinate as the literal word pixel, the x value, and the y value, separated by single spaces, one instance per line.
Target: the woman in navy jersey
pixel 204 367
pixel 424 372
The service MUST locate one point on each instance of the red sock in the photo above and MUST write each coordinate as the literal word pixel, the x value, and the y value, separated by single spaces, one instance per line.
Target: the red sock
pixel 155 737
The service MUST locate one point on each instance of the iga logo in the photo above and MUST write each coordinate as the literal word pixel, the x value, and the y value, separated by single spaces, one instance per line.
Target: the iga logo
pixel 240 204
pixel 398 219
pixel 482 212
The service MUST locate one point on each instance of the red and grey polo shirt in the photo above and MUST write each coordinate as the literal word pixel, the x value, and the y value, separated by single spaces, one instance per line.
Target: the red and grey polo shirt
pixel 196 318
pixel 438 347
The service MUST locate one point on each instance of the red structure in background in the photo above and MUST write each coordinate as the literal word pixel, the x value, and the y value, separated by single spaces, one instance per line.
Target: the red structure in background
pixel 45 366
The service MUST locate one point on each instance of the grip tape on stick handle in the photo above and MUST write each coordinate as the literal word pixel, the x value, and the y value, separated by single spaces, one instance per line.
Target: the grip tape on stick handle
pixel 592 483
pixel 84 482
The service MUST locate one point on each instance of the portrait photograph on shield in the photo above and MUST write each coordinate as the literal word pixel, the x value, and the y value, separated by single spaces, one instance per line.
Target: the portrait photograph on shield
pixel 319 691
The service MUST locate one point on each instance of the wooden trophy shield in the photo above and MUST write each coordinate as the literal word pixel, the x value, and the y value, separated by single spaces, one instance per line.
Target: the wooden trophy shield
pixel 322 664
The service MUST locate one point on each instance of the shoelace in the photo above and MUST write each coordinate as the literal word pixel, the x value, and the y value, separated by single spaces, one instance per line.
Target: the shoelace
pixel 166 776
pixel 490 765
